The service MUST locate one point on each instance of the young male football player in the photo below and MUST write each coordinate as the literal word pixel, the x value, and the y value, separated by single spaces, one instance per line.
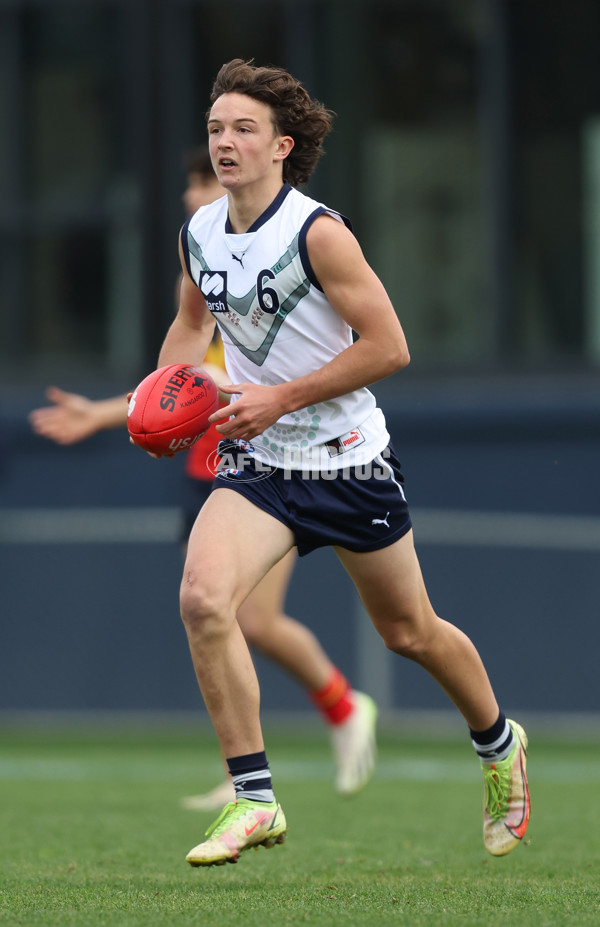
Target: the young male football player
pixel 286 282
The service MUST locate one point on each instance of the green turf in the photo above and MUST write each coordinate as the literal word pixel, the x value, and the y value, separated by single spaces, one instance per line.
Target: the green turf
pixel 92 834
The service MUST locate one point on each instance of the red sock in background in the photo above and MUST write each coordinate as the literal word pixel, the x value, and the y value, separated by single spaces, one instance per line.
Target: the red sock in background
pixel 335 699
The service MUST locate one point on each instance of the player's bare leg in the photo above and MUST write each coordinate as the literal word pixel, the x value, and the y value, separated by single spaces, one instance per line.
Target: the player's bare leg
pixel 232 546
pixel 351 716
pixel 258 616
pixel 392 589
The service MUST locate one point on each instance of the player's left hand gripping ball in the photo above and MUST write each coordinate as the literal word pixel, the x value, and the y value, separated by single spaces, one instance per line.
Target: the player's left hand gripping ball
pixel 170 408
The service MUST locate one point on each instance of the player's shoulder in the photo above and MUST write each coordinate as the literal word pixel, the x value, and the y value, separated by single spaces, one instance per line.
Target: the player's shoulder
pixel 311 214
pixel 328 235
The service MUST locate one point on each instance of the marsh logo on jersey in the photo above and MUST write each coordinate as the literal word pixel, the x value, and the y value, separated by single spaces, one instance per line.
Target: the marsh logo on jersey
pixel 213 285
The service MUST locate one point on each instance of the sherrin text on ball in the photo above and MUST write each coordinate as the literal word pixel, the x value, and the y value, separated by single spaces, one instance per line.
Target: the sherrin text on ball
pixel 169 410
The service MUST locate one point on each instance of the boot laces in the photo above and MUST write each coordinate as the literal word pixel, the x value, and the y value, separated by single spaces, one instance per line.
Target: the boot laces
pixel 497 781
pixel 220 823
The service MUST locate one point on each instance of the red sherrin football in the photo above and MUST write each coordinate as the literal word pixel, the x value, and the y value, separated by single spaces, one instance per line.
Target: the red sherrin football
pixel 169 410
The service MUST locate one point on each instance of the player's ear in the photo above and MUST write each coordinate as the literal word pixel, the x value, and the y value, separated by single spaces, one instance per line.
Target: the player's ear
pixel 284 146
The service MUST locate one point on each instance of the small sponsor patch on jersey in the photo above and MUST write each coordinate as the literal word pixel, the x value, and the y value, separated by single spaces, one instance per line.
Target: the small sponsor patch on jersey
pixel 213 286
pixel 345 442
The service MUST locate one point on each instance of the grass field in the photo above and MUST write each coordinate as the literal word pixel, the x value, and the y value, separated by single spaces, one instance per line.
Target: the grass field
pixel 92 834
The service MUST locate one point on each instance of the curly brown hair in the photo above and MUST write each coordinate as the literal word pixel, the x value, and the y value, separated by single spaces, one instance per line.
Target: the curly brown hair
pixel 295 113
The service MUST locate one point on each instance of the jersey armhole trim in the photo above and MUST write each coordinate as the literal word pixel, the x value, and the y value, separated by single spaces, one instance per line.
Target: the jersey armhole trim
pixel 303 250
pixel 185 246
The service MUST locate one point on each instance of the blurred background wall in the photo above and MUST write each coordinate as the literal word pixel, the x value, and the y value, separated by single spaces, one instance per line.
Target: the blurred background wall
pixel 466 152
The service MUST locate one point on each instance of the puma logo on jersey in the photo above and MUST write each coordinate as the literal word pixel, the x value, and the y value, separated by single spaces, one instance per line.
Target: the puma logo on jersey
pixel 345 442
pixel 240 259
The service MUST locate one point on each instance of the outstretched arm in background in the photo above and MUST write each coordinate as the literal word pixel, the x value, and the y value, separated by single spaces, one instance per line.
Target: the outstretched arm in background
pixel 74 418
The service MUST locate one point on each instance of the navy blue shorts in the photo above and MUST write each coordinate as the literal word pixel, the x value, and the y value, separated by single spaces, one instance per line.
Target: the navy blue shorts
pixel 359 508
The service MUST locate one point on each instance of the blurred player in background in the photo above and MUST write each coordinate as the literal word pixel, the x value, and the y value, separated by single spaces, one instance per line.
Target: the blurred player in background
pixel 351 715
pixel 286 282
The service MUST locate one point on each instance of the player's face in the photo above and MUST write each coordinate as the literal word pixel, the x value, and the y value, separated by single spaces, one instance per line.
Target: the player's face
pixel 244 148
pixel 201 190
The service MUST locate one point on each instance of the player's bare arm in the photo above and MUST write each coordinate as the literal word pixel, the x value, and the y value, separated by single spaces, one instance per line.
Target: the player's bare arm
pixel 189 336
pixel 357 294
pixel 359 297
pixel 72 418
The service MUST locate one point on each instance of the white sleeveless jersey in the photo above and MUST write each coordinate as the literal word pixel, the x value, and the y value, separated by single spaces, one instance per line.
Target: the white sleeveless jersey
pixel 277 325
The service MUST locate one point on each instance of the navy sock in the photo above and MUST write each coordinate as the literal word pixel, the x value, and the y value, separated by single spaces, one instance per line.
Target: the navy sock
pixel 251 776
pixel 494 744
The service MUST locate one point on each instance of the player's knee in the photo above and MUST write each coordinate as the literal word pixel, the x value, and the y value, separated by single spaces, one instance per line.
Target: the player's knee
pixel 411 631
pixel 202 608
pixel 408 639
pixel 403 643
